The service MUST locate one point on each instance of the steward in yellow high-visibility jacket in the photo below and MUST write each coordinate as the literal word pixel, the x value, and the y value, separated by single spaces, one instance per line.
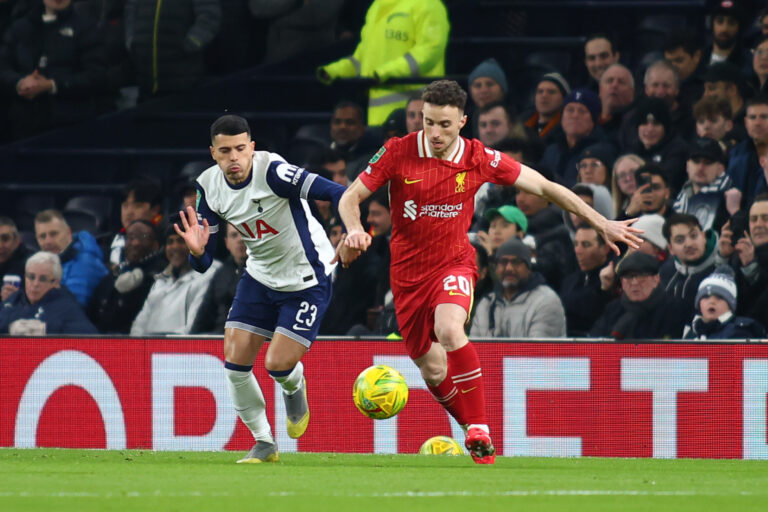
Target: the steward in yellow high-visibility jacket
pixel 400 38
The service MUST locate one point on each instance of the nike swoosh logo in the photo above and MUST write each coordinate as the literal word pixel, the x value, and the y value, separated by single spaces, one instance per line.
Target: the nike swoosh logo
pixel 411 182
pixel 457 293
pixel 296 326
pixel 468 390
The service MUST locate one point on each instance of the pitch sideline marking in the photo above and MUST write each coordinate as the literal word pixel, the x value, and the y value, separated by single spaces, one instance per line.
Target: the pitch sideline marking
pixel 407 494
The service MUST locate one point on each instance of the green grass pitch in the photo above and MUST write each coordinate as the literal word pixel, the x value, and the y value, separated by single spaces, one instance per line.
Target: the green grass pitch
pixel 84 480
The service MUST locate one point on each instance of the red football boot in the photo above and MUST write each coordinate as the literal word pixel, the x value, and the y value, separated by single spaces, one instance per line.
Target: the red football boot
pixel 480 446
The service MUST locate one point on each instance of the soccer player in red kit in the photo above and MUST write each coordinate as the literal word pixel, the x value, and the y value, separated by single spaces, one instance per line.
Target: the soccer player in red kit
pixel 434 174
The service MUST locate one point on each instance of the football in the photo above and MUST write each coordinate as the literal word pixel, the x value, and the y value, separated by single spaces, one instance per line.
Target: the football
pixel 380 392
pixel 441 445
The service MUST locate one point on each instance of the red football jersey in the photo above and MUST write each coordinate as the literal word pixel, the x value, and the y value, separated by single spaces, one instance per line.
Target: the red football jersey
pixel 432 201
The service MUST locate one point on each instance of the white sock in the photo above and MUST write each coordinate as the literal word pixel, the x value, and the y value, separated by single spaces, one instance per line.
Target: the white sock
pixel 292 382
pixel 249 403
pixel 484 428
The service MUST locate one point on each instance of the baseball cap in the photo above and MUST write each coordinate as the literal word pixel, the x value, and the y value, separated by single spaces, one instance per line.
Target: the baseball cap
pixel 637 263
pixel 710 149
pixel 511 214
pixel 724 72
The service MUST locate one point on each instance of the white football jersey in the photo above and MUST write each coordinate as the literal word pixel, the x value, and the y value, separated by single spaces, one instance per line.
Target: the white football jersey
pixel 288 249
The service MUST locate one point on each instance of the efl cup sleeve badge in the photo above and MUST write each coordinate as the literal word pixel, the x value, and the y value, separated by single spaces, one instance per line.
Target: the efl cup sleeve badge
pixel 379 153
pixel 460 177
pixel 197 200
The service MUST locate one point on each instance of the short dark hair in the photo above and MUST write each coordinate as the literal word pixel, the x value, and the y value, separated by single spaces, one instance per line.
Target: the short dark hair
pixel 601 35
pixel 582 189
pixel 676 219
pixel 482 255
pixel 353 105
pixel 759 198
pixel 760 99
pixel 710 107
pixel 600 239
pixel 653 170
pixel 152 227
pixel 323 156
pixel 173 219
pixel 685 39
pixel 7 221
pixel 145 190
pixel 445 92
pixel 497 104
pixel 230 124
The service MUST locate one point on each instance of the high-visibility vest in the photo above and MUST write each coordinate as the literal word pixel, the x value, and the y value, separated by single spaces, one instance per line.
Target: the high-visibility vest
pixel 400 38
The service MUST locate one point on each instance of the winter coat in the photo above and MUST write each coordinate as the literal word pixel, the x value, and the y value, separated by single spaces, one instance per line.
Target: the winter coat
pixel 665 321
pixel 682 281
pixel 82 266
pixel 708 205
pixel 15 264
pixel 58 309
pixel 113 310
pixel 584 300
pixel 173 303
pixel 68 50
pixel 670 154
pixel 535 312
pixel 727 327
pixel 166 41
pixel 562 160
pixel 746 172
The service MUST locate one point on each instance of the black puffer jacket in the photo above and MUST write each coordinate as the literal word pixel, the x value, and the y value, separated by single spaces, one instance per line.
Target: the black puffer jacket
pixel 166 41
pixel 68 50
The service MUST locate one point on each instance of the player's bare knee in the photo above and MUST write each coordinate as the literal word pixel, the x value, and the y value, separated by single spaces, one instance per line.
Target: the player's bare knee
pixel 433 373
pixel 450 335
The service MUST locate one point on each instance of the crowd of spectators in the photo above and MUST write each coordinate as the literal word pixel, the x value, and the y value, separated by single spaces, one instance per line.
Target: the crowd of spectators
pixel 679 142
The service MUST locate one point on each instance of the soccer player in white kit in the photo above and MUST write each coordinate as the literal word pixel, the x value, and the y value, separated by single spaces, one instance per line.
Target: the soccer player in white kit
pixel 286 286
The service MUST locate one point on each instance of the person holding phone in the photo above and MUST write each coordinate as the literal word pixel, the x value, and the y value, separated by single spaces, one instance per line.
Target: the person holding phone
pixel 651 195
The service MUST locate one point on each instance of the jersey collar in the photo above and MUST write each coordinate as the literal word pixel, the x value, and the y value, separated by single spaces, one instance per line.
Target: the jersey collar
pixel 425 151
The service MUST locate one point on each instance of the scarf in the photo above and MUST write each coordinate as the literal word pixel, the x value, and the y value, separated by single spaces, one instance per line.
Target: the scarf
pixel 635 312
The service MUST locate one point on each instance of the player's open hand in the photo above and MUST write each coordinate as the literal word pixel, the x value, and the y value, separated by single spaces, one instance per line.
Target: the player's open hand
pixel 359 240
pixel 195 235
pixel 615 231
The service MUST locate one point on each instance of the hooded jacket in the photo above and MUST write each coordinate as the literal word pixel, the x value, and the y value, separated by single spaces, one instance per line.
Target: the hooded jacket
pixel 682 280
pixel 58 309
pixel 535 312
pixel 82 266
pixel 727 327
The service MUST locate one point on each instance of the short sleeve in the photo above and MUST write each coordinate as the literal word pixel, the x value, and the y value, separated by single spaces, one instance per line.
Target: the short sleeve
pixel 499 168
pixel 381 167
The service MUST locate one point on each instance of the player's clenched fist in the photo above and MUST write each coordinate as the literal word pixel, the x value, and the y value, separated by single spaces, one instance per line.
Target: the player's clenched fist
pixel 359 240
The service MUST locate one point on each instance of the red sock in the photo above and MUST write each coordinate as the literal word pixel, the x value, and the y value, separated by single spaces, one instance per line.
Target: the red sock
pixel 446 393
pixel 465 373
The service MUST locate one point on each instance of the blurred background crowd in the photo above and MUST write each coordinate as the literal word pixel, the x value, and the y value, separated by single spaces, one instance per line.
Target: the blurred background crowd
pixel 648 110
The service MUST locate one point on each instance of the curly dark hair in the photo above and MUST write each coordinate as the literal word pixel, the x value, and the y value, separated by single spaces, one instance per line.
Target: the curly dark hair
pixel 445 92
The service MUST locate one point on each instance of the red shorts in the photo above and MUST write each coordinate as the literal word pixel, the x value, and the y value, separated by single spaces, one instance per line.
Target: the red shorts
pixel 415 305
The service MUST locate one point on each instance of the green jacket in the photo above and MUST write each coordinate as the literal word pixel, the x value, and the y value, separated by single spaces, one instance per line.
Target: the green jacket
pixel 400 38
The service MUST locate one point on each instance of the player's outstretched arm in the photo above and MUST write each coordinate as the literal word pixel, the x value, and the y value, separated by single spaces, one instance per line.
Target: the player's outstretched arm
pixel 349 210
pixel 612 231
pixel 195 235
